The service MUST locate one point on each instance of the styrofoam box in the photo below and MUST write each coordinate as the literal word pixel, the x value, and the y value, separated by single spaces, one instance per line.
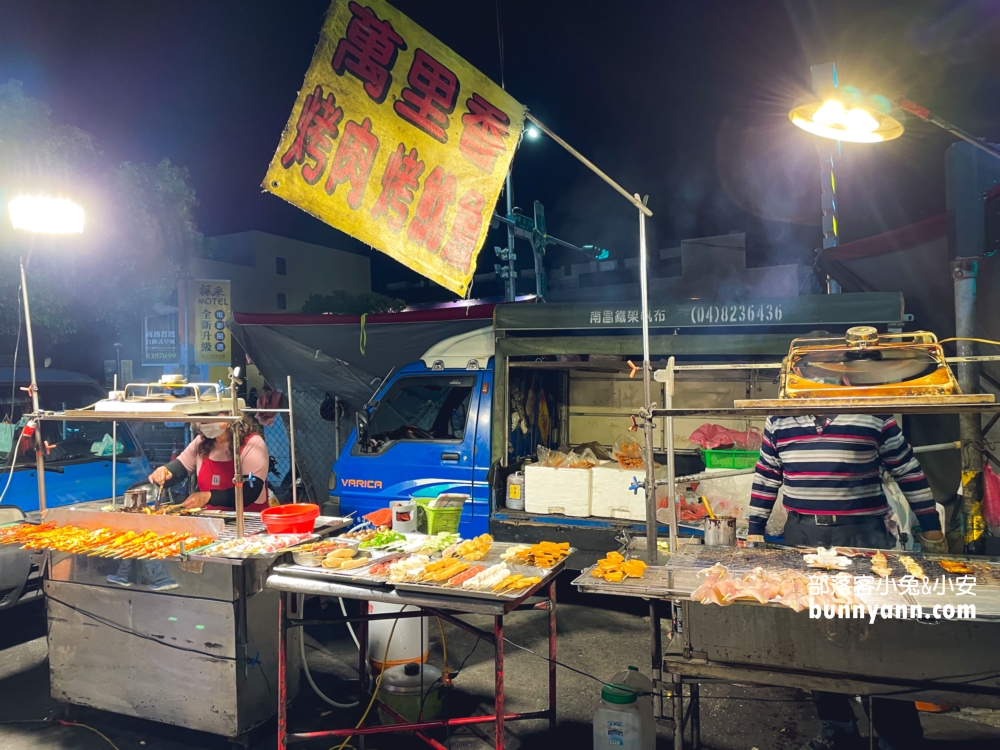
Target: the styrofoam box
pixel 560 491
pixel 611 496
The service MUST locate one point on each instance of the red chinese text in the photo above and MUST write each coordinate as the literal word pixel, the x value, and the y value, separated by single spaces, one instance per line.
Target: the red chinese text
pixel 465 231
pixel 368 51
pixel 427 227
pixel 484 130
pixel 430 96
pixel 353 161
pixel 315 131
pixel 399 182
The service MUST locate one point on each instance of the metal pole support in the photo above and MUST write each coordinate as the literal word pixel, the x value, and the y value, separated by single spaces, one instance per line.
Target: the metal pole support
pixel 39 444
pixel 964 273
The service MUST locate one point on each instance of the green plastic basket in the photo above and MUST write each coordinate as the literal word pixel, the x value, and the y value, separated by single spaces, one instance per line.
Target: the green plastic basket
pixel 435 520
pixel 729 459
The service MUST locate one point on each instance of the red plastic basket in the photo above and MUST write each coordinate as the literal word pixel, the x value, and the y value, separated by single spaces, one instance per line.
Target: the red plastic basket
pixel 297 518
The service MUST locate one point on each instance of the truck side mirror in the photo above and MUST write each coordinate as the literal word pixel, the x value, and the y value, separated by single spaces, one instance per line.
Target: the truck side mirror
pixel 361 421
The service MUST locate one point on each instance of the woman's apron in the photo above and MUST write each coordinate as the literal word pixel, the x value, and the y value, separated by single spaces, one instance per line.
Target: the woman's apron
pixel 218 475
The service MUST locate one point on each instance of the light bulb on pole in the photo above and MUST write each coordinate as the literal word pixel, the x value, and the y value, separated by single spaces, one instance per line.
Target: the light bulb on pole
pixel 40 215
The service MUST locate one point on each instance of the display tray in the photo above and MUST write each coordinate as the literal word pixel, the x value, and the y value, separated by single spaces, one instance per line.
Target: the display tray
pixel 236 555
pixel 360 577
pixel 355 576
pixel 435 589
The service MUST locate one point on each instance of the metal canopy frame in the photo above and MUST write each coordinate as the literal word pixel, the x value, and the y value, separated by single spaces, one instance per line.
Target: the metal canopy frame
pixel 235 415
pixel 668 413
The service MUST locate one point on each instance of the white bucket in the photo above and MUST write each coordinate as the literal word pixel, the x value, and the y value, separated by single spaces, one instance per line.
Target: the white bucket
pixel 407 644
pixel 404 516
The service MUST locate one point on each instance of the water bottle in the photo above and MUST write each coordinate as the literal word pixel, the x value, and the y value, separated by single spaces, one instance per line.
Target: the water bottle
pixel 637 681
pixel 617 721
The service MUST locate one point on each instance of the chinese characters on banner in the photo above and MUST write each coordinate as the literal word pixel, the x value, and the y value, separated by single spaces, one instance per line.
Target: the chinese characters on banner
pixel 210 336
pixel 397 141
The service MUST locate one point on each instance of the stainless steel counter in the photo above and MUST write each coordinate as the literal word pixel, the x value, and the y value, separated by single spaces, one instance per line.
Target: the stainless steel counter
pixel 202 655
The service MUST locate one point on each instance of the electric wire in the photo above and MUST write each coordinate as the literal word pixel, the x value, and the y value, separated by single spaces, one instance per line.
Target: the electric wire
pixel 84 726
pixel 312 683
pixel 129 631
pixel 500 42
pixel 62 722
pixel 349 628
pixel 378 684
pixel 13 395
pixel 965 338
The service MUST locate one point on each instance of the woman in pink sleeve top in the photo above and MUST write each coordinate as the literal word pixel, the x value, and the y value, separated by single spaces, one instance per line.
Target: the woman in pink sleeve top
pixel 209 458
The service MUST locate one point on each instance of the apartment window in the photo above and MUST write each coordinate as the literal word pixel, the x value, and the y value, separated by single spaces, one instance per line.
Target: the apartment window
pixel 279 267
pixel 282 302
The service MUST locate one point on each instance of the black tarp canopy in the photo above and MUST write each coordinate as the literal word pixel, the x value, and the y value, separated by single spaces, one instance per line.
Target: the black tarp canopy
pixel 345 357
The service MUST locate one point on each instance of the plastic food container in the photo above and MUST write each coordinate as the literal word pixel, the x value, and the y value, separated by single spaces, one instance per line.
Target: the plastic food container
pixel 298 518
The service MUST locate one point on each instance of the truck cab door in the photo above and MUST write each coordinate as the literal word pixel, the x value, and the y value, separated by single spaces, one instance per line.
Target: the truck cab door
pixel 421 440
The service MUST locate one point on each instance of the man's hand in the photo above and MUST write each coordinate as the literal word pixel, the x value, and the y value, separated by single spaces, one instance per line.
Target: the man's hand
pixel 197 500
pixel 933 542
pixel 160 476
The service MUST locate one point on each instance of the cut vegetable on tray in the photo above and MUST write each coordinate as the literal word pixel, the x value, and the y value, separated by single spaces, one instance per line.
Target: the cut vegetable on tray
pixel 382 539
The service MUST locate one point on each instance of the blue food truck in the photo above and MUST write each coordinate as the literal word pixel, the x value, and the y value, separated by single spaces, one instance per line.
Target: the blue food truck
pixel 476 406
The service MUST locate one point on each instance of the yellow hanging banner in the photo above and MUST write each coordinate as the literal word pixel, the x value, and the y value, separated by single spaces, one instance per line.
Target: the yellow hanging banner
pixel 397 141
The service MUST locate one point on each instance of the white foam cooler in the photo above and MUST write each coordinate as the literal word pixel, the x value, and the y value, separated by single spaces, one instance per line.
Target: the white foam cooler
pixel 560 491
pixel 611 496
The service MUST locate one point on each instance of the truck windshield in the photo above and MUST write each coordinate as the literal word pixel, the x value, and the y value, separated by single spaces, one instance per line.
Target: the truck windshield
pixel 66 442
pixel 423 407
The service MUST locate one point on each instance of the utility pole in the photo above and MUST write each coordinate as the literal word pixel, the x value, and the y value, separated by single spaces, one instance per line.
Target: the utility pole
pixel 970 173
pixel 824 78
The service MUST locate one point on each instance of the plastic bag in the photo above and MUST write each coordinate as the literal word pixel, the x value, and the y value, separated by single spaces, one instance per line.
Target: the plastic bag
pixel 628 453
pixel 554 459
pixel 712 436
pixel 103 448
pixel 991 496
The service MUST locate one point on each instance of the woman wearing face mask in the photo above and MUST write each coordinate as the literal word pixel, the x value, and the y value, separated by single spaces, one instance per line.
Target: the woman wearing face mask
pixel 209 458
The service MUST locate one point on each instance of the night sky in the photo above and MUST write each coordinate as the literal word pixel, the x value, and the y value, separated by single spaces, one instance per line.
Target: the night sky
pixel 686 101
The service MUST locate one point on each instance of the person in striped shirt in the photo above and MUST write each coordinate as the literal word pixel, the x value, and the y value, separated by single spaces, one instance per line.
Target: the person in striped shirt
pixel 831 469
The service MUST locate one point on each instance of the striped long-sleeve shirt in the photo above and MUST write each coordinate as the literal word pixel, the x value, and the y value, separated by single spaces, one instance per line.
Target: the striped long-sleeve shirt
pixel 836 470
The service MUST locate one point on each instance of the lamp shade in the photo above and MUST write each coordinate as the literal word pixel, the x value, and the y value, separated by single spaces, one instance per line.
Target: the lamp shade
pixel 846 115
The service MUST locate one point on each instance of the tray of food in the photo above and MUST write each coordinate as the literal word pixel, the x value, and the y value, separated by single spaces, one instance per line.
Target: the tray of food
pixel 313 554
pixel 478 568
pixel 263 546
pixel 460 578
pixel 104 542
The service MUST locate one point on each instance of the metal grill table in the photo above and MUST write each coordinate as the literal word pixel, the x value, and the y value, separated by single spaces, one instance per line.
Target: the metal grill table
pixel 290 582
pixel 927 659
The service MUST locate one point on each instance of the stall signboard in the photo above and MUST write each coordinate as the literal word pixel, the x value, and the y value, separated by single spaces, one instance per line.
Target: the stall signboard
pixel 398 141
pixel 829 309
pixel 160 344
pixel 212 345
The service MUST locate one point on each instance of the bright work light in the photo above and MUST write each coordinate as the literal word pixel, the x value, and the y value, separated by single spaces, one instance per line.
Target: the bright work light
pixel 45 215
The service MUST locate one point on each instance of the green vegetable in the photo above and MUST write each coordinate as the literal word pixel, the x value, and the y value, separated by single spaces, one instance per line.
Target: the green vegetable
pixel 381 539
pixel 441 540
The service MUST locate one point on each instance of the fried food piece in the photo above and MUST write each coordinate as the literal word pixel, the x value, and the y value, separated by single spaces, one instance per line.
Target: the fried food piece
pixel 880 565
pixel 614 568
pixel 912 567
pixel 954 566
